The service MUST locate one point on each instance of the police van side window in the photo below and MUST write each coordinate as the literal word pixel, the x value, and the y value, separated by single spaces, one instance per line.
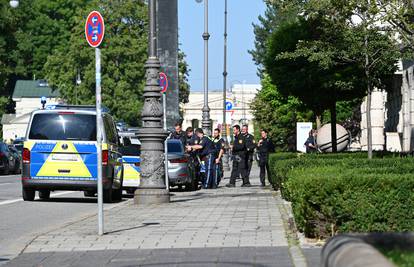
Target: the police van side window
pixel 109 131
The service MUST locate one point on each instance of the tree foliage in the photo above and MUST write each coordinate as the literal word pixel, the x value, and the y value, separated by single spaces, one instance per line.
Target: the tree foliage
pixel 277 13
pixel 123 55
pixel 278 115
pixel 183 73
pixel 324 56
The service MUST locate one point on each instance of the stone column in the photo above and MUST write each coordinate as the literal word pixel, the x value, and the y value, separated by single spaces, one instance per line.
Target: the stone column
pixel 167 50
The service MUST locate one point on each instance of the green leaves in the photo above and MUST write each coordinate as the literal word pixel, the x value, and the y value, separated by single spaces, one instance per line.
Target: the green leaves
pixel 344 190
pixel 123 52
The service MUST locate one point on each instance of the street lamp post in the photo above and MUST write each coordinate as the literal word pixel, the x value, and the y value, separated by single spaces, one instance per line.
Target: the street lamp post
pixel 152 189
pixel 224 134
pixel 205 122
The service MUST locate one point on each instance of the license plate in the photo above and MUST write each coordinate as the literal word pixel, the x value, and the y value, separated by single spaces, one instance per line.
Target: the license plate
pixel 65 157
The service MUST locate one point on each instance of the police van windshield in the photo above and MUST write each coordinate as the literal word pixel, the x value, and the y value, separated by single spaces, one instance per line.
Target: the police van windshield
pixel 56 126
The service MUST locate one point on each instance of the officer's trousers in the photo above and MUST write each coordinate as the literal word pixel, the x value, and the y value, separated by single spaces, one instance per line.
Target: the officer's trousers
pixel 264 168
pixel 210 179
pixel 239 168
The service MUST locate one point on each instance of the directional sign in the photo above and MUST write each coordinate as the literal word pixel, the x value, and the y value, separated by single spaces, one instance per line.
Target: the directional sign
pixel 163 82
pixel 229 105
pixel 94 29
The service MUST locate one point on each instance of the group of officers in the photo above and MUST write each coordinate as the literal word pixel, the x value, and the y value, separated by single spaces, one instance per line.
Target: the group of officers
pixel 206 154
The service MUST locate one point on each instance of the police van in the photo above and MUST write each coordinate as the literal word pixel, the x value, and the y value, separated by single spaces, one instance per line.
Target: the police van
pixel 59 153
pixel 131 160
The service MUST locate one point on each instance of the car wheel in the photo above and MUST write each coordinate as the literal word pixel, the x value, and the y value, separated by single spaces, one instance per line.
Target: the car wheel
pixel 130 191
pixel 89 193
pixel 44 194
pixel 108 195
pixel 28 194
pixel 117 194
pixel 6 170
pixel 191 186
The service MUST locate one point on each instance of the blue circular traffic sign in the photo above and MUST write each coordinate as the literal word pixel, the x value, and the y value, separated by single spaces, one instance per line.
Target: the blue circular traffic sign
pixel 94 29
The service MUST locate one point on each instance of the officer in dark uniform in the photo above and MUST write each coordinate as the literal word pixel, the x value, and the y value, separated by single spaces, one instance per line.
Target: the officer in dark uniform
pixel 239 152
pixel 251 145
pixel 194 160
pixel 206 148
pixel 219 145
pixel 264 148
pixel 179 134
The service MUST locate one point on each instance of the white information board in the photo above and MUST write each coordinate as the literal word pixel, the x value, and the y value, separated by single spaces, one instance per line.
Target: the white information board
pixel 302 133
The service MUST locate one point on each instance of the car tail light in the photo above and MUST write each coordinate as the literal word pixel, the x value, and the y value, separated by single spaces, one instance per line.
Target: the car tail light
pixel 66 112
pixel 137 164
pixel 182 160
pixel 105 157
pixel 26 155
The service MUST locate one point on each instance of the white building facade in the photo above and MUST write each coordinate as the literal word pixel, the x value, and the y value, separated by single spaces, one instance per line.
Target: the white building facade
pixel 27 96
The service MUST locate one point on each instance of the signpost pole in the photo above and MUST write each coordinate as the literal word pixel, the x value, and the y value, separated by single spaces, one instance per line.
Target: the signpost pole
pixel 94 33
pixel 99 138
pixel 164 106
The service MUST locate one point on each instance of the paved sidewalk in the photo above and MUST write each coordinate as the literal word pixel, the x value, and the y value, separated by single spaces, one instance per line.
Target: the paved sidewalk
pixel 223 227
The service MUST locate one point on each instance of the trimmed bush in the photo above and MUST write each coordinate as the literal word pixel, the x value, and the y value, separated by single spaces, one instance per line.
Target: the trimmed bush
pixel 346 192
pixel 325 199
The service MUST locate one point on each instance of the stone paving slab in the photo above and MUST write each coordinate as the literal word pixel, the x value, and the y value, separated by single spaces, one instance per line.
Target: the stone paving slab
pixel 235 217
pixel 223 227
pixel 244 256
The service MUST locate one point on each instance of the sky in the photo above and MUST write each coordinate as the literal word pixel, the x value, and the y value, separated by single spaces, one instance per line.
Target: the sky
pixel 240 38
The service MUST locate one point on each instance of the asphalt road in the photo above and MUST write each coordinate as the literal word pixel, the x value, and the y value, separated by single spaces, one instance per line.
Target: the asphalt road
pixel 21 221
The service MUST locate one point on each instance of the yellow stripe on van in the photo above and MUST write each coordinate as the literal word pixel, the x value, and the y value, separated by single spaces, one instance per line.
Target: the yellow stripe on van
pixel 29 144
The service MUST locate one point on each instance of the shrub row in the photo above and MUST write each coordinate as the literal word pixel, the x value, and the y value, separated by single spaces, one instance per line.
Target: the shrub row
pixel 346 192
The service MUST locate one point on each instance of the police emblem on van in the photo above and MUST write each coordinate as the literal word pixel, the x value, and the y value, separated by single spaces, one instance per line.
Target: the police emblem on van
pixel 65 146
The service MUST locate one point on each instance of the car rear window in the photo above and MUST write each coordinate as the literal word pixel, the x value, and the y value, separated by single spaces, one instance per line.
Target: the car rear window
pixel 55 126
pixel 175 147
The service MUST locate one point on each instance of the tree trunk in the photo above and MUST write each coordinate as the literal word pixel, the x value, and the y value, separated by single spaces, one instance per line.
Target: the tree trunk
pixel 318 121
pixel 333 127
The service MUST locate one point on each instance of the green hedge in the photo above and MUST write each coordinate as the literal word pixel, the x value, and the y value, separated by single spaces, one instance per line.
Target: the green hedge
pixel 346 192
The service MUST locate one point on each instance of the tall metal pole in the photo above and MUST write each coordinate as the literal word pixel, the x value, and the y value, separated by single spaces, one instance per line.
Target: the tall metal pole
pixel 152 135
pixel 224 131
pixel 205 122
pixel 99 138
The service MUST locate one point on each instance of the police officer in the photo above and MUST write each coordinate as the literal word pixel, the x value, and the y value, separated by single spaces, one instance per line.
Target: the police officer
pixel 178 134
pixel 194 160
pixel 239 152
pixel 264 147
pixel 251 145
pixel 219 150
pixel 206 148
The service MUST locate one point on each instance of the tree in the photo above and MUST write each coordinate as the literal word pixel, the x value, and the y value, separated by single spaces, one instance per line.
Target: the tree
pixel 183 72
pixel 277 12
pixel 367 44
pixel 319 58
pixel 278 115
pixel 124 52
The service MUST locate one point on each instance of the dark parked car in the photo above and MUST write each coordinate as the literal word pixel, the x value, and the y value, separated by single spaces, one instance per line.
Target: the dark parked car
pixel 9 160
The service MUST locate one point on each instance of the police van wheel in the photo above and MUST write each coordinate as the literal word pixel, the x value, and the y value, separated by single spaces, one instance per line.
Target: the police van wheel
pixel 108 195
pixel 117 194
pixel 89 193
pixel 44 194
pixel 28 194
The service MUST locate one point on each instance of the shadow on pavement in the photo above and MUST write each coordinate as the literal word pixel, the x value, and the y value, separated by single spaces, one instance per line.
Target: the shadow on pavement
pixel 133 228
pixel 74 200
